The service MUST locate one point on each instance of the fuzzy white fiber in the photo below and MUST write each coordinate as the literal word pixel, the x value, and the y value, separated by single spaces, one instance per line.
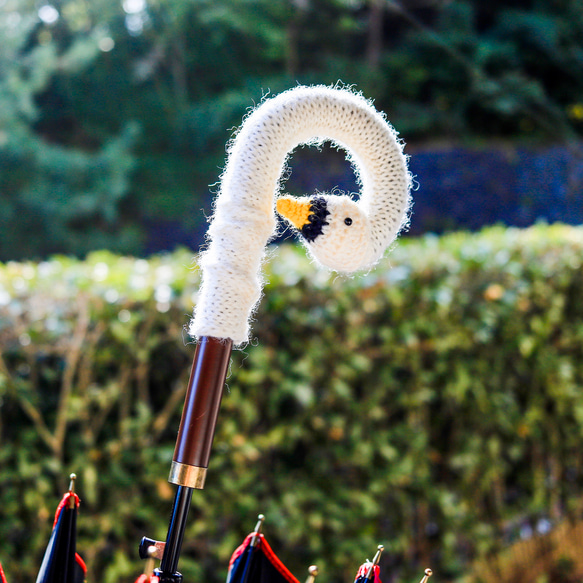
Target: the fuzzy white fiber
pixel 244 214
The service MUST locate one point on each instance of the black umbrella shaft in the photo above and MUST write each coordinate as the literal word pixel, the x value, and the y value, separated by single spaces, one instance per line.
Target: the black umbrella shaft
pixel 169 564
pixel 193 444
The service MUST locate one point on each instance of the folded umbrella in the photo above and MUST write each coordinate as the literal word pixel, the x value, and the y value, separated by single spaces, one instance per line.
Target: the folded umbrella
pixel 370 571
pixel 61 563
pixel 255 562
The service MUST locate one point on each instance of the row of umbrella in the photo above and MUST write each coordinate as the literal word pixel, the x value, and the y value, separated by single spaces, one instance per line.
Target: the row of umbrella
pixel 253 561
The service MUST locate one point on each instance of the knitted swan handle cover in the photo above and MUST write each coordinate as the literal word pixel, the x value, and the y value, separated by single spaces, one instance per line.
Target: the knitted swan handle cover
pixel 340 233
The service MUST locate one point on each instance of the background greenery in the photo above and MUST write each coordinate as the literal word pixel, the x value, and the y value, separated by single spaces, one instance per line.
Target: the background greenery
pixel 114 115
pixel 432 406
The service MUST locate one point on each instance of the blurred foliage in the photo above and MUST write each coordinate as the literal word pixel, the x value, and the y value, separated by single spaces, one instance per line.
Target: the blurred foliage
pixel 432 405
pixel 115 115
pixel 54 197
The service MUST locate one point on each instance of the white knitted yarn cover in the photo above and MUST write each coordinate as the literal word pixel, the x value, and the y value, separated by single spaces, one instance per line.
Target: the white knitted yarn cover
pixel 244 214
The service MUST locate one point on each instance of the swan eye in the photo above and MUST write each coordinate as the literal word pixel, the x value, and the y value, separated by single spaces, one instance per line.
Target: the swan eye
pixel 348 221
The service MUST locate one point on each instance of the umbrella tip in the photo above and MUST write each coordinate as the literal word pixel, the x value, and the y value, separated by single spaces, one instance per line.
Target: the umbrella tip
pixel 259 524
pixel 428 573
pixel 71 492
pixel 150 561
pixel 257 530
pixel 374 563
pixel 312 573
pixel 377 557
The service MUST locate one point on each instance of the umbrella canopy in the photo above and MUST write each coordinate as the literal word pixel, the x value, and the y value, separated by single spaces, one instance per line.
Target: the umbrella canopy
pixel 61 563
pixel 255 562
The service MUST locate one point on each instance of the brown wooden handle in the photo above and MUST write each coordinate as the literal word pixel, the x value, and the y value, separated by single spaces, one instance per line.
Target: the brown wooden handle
pixel 201 409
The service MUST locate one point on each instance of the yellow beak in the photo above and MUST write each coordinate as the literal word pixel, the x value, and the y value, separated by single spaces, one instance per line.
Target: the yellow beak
pixel 295 210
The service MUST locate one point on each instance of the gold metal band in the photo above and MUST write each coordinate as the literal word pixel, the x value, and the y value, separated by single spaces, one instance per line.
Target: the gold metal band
pixel 187 475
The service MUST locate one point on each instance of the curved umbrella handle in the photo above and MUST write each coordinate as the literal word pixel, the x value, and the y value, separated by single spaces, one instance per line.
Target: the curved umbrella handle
pixel 342 234
pixel 339 232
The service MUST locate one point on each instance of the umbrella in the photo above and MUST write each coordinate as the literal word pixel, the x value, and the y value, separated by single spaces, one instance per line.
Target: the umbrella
pixel 61 563
pixel 255 562
pixel 340 233
pixel 371 571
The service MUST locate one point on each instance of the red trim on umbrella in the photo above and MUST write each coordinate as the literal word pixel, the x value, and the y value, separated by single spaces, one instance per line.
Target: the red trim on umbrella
pixel 268 552
pixel 363 570
pixel 275 560
pixel 81 563
pixel 239 550
pixel 63 503
pixel 2 576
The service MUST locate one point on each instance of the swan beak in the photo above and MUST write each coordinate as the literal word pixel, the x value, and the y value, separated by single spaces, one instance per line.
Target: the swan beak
pixel 296 211
pixel 306 215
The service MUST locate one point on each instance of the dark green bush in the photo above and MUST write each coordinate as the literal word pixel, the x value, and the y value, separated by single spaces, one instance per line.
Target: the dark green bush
pixel 432 405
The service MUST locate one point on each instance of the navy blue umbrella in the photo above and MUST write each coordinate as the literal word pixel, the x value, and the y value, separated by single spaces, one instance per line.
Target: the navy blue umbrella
pixel 255 562
pixel 61 563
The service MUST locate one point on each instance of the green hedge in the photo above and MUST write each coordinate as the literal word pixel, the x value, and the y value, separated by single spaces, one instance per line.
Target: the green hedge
pixel 432 405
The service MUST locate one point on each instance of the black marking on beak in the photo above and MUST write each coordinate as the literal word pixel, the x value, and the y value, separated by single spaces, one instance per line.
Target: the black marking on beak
pixel 317 219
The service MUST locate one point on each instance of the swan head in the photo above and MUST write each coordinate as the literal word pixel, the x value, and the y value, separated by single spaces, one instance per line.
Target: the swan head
pixel 335 229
